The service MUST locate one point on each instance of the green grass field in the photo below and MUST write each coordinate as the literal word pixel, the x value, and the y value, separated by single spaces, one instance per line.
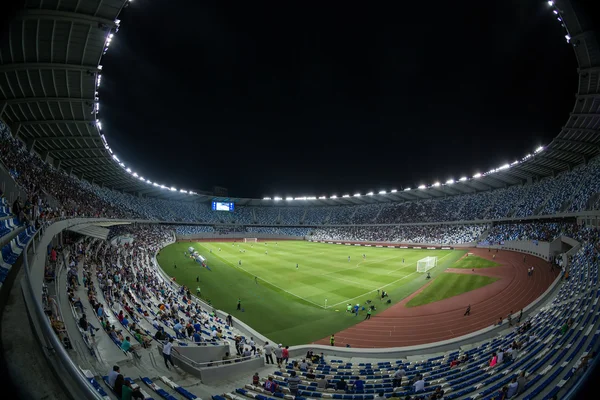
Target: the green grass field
pixel 295 306
pixel 471 262
pixel 448 285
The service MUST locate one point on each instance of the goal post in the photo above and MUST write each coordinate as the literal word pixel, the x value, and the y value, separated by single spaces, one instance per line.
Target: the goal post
pixel 250 240
pixel 425 264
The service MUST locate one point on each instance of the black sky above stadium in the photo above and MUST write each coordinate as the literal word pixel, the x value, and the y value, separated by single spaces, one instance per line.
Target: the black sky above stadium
pixel 323 98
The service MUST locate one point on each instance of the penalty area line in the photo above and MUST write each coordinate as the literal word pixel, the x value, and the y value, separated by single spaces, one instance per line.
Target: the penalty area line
pixel 382 287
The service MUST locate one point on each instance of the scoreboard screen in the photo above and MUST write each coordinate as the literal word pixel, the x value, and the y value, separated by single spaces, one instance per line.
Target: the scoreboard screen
pixel 222 206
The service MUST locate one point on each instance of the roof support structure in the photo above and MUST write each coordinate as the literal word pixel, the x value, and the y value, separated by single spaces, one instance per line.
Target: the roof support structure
pixel 91 69
pixel 65 16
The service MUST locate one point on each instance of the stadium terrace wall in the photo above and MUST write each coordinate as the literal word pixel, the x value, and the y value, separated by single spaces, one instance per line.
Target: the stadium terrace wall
pixel 215 237
pixel 428 246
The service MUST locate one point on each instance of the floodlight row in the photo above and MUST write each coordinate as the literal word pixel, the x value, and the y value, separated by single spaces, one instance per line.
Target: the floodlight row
pixel 421 187
pixel 96 109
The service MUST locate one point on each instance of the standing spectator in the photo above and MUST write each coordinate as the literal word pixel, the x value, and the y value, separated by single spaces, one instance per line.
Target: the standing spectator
pixel 293 382
pixel 167 353
pixel 268 353
pixel 278 354
pixel 285 353
pixel 419 385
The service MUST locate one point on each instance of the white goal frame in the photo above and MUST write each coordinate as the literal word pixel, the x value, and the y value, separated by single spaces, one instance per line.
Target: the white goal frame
pixel 425 264
pixel 250 240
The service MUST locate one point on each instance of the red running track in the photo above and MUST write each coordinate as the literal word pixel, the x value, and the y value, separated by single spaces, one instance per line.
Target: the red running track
pixel 401 326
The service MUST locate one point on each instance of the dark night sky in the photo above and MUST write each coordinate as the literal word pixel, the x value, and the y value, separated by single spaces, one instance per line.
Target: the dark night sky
pixel 327 98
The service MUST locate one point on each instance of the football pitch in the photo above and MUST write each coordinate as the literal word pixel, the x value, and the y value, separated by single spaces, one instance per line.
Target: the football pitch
pixel 296 305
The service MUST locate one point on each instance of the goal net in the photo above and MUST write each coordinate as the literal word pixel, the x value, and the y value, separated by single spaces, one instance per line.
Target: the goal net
pixel 250 240
pixel 425 264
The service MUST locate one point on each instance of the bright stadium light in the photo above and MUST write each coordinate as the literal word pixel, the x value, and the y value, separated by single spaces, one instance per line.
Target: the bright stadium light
pixel 382 192
pixel 436 184
pixel 300 198
pixel 514 163
pixel 276 198
pixel 550 3
pixel 128 170
pixel 505 166
pixel 541 148
pixel 332 196
pixel 346 195
pixel 370 194
pixel 322 197
pixel 182 191
pixel 356 194
pixel 266 198
pixel 155 184
pixel 115 158
pixel 289 198
pixel 568 37
pixel 135 174
pixel 173 189
pixel 393 191
pixel 422 186
pixel 464 178
pixel 407 189
pixel 449 181
pixel 477 175
pixel 311 198
pixel 141 178
pixel 555 12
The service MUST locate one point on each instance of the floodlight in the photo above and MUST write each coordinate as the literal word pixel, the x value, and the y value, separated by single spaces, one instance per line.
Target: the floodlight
pixel 407 189
pixel 322 197
pixel 300 198
pixel 550 3
pixel 172 189
pixel 382 192
pixel 436 184
pixel 464 178
pixel 289 198
pixel 135 174
pixel 115 157
pixel 276 198
pixel 356 194
pixel 505 166
pixel 311 198
pixel 346 195
pixel 514 163
pixel 568 37
pixel 128 170
pixel 541 148
pixel 155 184
pixel 422 186
pixel 333 197
pixel 183 191
pixel 266 198
pixel 555 12
pixel 142 179
pixel 394 191
pixel 370 194
pixel 449 181
pixel 477 175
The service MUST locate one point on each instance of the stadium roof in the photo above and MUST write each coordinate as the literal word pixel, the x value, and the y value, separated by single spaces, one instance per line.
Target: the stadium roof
pixel 50 72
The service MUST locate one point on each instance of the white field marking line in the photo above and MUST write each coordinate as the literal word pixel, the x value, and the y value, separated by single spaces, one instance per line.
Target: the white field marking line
pixel 384 286
pixel 280 288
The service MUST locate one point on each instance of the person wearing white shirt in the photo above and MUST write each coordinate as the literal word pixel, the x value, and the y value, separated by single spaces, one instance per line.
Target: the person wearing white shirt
pixel 112 376
pixel 167 353
pixel 419 384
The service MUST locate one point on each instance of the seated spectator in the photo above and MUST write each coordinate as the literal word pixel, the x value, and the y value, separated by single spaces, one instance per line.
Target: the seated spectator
pixel 112 376
pixel 118 388
pixel 310 374
pixel 322 383
pixel 419 385
pixel 341 384
pixel 513 386
pixel 128 392
pixel 359 385
pixel 270 385
pixel 255 379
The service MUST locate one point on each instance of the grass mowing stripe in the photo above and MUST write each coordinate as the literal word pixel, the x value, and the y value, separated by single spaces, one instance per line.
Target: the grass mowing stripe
pixel 449 285
pixel 264 280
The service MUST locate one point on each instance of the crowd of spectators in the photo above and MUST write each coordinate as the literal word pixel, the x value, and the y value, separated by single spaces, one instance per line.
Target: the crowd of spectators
pixel 276 230
pixel 53 193
pixel 541 231
pixel 430 234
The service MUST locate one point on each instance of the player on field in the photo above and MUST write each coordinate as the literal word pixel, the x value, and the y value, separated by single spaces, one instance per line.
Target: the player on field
pixel 296 265
pixel 364 256
pixel 348 258
pixel 266 252
pixel 240 262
